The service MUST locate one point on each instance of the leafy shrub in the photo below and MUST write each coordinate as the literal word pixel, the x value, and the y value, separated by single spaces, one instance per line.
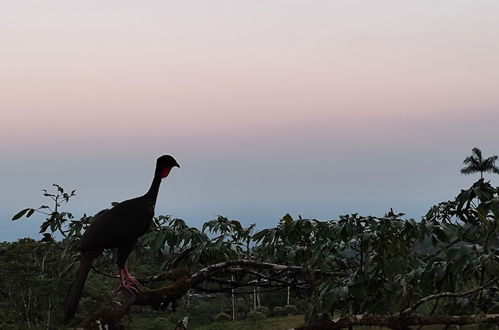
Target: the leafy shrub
pixel 279 311
pixel 290 309
pixel 222 317
pixel 255 315
pixel 264 310
pixel 202 313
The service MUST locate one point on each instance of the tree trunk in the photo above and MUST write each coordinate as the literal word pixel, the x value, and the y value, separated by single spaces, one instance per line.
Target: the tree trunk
pixel 233 303
pixel 254 298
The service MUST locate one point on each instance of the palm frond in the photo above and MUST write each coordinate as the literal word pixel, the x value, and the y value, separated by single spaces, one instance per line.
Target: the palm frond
pixel 494 158
pixel 469 170
pixel 468 160
pixel 491 170
pixel 477 152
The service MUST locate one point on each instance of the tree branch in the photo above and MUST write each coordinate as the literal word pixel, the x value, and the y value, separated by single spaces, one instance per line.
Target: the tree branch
pixel 448 294
pixel 202 274
pixel 400 321
pixel 110 315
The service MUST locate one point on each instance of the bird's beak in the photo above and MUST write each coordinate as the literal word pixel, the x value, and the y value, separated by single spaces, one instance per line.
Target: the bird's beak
pixel 177 165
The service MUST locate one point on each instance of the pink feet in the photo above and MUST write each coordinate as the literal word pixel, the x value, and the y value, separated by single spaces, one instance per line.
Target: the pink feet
pixel 130 278
pixel 128 282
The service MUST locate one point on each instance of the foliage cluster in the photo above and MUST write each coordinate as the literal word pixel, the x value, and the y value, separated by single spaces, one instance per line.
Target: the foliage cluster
pixel 222 317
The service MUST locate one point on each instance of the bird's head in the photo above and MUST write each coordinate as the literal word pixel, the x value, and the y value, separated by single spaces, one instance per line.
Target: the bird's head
pixel 164 165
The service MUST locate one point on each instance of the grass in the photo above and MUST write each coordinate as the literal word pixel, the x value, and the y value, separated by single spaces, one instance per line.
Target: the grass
pixel 155 322
pixel 152 322
pixel 271 323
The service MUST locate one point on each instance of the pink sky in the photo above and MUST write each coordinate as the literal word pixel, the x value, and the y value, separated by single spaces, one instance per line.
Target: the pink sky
pixel 249 94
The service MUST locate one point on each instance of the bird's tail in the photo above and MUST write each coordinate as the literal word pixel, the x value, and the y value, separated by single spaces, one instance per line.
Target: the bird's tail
pixel 74 294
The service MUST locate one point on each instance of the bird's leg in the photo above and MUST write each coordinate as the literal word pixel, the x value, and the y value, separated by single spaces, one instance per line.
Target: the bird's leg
pixel 130 278
pixel 125 281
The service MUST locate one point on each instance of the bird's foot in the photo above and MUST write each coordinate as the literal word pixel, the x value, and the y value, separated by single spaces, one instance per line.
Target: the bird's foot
pixel 128 282
pixel 132 280
pixel 128 286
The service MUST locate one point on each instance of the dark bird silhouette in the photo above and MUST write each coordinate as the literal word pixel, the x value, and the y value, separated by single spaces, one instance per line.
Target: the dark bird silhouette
pixel 119 227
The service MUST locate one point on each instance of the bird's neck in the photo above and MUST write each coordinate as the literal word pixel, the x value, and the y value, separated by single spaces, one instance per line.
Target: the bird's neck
pixel 152 193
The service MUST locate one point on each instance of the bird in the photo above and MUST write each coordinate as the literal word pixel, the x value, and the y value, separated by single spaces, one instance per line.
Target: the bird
pixel 118 227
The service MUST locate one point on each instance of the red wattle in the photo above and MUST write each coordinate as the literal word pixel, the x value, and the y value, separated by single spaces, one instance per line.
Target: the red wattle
pixel 165 172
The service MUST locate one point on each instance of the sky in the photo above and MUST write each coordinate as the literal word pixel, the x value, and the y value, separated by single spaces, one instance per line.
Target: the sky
pixel 314 108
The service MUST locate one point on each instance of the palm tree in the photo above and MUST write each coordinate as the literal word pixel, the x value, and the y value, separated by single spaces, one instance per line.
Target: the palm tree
pixel 476 163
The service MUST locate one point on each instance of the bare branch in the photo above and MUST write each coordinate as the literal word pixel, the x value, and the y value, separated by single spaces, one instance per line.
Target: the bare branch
pixel 448 295
pixel 220 267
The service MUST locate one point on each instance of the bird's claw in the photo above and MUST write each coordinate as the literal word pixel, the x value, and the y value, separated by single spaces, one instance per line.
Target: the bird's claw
pixel 139 286
pixel 133 281
pixel 129 286
pixel 128 282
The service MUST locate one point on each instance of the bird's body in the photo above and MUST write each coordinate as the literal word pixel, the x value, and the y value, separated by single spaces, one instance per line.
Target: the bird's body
pixel 119 227
pixel 111 229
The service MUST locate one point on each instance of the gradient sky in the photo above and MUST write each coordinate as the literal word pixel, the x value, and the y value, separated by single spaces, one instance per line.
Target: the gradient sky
pixel 316 108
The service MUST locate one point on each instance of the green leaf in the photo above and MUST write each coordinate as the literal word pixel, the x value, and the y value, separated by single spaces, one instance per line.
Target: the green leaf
pixel 287 218
pixel 236 224
pixel 44 226
pixel 343 292
pixel 440 234
pixel 59 188
pixel 20 214
pixel 261 234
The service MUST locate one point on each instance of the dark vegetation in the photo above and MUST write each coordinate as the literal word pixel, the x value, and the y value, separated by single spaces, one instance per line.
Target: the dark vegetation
pixel 393 271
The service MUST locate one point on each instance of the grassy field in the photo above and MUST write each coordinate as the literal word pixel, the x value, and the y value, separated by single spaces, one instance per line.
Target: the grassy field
pixel 284 323
pixel 272 323
pixel 276 323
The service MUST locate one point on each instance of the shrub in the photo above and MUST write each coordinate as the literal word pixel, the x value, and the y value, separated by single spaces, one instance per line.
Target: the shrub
pixel 290 309
pixel 279 311
pixel 222 317
pixel 204 312
pixel 264 310
pixel 255 315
